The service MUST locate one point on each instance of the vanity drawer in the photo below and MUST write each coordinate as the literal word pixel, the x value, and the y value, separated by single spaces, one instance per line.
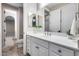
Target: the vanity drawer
pixel 40 42
pixel 28 49
pixel 61 50
pixel 51 53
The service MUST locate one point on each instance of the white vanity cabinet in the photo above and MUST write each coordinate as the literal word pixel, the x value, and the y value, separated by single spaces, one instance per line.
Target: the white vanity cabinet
pixel 62 51
pixel 38 50
pixel 76 53
pixel 39 47
pixel 28 41
pixel 52 53
pixel 36 47
pixel 43 51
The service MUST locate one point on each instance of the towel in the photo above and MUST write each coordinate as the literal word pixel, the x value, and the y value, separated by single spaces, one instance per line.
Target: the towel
pixel 77 25
pixel 73 30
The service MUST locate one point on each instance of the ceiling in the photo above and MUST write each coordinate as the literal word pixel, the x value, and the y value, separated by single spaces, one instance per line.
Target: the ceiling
pixel 49 6
pixel 16 4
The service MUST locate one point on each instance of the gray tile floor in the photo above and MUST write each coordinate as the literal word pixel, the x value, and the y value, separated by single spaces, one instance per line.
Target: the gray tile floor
pixel 13 51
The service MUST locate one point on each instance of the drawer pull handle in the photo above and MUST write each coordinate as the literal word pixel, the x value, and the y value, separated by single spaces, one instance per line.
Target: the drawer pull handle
pixel 59 51
pixel 28 49
pixel 37 47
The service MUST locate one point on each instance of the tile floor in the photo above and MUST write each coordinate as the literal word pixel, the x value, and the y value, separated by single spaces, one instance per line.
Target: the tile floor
pixel 12 50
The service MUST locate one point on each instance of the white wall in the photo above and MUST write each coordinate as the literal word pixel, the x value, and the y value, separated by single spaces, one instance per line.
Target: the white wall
pixel 21 23
pixel 0 29
pixel 27 7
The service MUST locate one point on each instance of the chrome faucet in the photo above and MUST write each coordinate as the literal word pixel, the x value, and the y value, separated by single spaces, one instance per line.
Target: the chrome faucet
pixel 48 33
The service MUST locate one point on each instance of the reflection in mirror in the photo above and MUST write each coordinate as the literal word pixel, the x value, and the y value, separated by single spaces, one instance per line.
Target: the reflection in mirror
pixel 34 21
pixel 9 18
pixel 59 18
pixel 10 26
pixel 46 15
pixel 75 25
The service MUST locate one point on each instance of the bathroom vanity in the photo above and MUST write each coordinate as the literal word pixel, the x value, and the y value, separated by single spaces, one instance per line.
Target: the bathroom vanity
pixel 55 19
pixel 39 44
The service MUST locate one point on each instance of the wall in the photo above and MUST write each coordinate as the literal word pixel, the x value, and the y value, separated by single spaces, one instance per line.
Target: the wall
pixel 27 7
pixel 78 9
pixel 21 24
pixel 0 29
pixel 57 6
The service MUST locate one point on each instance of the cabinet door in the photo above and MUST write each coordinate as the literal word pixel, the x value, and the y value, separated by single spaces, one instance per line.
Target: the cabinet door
pixel 63 51
pixel 51 53
pixel 43 51
pixel 34 49
pixel 76 53
pixel 28 44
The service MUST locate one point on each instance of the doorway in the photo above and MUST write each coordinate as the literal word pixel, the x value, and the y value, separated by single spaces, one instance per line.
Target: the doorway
pixel 9 26
pixel 12 30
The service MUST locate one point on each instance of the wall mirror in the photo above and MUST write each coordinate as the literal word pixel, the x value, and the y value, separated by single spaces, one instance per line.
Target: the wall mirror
pixel 61 17
pixel 32 22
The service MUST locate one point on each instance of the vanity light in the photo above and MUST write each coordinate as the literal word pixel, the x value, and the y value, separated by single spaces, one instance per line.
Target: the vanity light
pixel 43 5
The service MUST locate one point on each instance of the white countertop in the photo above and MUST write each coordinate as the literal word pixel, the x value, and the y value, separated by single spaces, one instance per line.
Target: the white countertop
pixel 59 39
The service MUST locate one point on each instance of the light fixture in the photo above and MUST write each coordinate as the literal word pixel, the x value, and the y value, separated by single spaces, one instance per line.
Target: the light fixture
pixel 43 5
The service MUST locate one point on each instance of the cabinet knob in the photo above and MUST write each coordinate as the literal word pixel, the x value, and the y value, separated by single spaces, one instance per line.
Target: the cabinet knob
pixel 59 51
pixel 28 49
pixel 4 30
pixel 37 47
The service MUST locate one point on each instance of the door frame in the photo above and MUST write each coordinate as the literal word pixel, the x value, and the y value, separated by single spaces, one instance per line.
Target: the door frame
pixel 6 6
